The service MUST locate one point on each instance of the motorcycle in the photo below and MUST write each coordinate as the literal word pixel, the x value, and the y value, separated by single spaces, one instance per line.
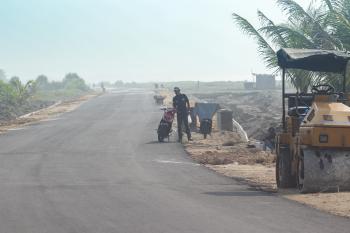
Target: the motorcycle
pixel 165 125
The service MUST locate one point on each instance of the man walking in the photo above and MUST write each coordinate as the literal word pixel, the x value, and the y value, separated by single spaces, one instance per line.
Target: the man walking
pixel 269 140
pixel 182 106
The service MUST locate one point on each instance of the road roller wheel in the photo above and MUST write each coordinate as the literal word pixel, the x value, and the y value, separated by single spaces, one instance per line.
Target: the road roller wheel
pixel 321 170
pixel 284 176
pixel 301 172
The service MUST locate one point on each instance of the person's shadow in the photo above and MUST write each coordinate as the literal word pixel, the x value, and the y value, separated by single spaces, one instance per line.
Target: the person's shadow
pixel 156 142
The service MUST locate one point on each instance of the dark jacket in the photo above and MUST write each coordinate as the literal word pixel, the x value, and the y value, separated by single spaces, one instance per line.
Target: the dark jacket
pixel 180 102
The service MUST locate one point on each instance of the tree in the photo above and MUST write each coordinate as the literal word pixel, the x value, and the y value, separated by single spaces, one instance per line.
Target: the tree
pixel 2 75
pixel 325 26
pixel 73 81
pixel 119 83
pixel 42 82
pixel 70 77
pixel 23 92
pixel 7 94
pixel 16 83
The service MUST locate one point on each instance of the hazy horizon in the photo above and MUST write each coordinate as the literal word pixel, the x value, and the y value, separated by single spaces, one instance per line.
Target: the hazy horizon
pixel 141 41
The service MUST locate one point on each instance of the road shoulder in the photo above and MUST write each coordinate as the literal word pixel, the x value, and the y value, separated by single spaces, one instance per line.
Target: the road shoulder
pixel 257 168
pixel 46 113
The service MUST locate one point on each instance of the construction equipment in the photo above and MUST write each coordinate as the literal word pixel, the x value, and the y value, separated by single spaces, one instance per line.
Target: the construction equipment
pixel 313 150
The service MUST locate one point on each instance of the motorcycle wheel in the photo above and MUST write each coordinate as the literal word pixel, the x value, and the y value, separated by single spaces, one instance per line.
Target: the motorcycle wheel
pixel 160 138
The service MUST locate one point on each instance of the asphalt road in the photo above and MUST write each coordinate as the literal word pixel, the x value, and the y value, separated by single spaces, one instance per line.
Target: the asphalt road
pixel 99 169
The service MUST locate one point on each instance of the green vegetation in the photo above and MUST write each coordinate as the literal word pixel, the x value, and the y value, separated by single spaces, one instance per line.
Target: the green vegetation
pixel 323 25
pixel 18 98
pixel 2 75
pixel 72 85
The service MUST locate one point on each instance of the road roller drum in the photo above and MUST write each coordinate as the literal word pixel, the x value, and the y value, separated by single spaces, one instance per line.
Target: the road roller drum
pixel 324 170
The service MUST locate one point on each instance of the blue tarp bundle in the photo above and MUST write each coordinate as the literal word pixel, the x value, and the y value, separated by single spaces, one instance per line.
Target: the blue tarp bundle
pixel 205 110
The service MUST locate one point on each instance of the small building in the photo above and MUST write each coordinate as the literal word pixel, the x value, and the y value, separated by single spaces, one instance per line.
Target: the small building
pixel 265 81
pixel 249 85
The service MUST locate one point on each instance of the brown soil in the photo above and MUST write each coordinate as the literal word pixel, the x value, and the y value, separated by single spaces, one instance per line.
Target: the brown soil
pixel 226 148
pixel 259 176
pixel 334 203
pixel 257 169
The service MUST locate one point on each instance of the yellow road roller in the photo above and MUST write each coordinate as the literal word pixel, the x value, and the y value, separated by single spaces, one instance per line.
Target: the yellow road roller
pixel 313 149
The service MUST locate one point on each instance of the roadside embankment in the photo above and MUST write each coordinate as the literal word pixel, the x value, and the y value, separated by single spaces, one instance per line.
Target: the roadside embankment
pixel 227 155
pixel 45 113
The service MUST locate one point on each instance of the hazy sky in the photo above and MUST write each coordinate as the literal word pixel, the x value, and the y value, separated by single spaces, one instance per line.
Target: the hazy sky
pixel 130 40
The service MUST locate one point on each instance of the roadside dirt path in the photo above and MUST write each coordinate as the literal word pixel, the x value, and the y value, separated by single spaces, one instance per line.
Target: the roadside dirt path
pixel 257 169
pixel 45 113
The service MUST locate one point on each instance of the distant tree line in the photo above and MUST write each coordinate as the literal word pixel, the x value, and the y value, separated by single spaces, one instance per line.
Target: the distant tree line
pixel 16 95
pixel 70 81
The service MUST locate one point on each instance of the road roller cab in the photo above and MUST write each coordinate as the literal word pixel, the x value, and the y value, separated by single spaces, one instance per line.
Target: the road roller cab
pixel 313 150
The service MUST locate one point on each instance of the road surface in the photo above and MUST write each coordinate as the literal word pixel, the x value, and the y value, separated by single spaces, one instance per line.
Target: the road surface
pixel 98 169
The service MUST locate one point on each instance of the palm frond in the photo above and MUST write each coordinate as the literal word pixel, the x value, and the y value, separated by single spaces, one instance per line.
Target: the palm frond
pixel 274 35
pixel 265 50
pixel 311 25
pixel 301 79
pixel 329 4
pixel 291 36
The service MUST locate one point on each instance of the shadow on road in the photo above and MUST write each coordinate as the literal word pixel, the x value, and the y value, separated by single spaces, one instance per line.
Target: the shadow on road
pixel 156 142
pixel 239 194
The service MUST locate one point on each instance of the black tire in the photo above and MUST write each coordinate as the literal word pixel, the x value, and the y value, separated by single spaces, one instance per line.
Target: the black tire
pixel 163 130
pixel 300 175
pixel 160 138
pixel 205 127
pixel 284 177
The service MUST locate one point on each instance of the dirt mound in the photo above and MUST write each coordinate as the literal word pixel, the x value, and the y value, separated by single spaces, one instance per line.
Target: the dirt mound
pixel 226 148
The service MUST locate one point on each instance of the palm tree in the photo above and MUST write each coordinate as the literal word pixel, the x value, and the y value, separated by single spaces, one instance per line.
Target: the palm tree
pixel 325 26
pixel 23 92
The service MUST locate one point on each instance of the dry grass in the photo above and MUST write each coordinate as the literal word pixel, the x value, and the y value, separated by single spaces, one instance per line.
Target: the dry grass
pixel 334 203
pixel 263 178
pixel 259 176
